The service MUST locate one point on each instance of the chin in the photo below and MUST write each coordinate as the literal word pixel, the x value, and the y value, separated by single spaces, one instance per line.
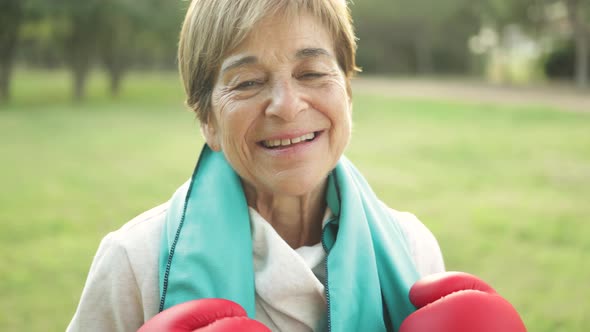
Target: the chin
pixel 298 185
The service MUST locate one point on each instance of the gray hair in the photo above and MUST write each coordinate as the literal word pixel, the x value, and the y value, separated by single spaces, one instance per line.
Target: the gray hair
pixel 212 28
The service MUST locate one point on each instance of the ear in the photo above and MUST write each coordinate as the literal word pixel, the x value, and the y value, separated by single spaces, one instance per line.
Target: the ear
pixel 210 133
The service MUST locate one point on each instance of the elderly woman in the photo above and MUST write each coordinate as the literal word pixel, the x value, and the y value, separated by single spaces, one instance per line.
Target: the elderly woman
pixel 275 229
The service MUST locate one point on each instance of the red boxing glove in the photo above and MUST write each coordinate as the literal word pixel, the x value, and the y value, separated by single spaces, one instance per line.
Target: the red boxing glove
pixel 205 315
pixel 459 302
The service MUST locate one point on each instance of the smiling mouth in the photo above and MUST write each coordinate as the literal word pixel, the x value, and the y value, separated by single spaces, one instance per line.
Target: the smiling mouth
pixel 280 143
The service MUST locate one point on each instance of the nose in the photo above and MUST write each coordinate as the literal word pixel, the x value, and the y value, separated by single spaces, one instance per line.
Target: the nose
pixel 285 101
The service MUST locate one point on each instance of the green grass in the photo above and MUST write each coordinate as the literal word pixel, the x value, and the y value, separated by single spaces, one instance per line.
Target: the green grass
pixel 504 189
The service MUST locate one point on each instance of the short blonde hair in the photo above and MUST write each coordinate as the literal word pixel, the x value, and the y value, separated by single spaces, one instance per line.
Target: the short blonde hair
pixel 212 28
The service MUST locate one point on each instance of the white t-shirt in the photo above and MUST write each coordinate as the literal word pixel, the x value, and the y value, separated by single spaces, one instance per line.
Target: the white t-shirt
pixel 122 290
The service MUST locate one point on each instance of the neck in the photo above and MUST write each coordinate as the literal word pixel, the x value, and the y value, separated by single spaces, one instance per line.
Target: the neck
pixel 297 219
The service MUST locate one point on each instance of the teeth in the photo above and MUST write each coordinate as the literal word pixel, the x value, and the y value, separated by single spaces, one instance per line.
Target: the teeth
pixel 287 142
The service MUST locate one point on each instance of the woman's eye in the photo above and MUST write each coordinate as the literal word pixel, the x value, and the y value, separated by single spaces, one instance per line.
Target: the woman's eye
pixel 312 75
pixel 247 85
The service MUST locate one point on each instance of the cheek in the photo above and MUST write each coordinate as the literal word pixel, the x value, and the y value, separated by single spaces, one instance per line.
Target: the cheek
pixel 335 101
pixel 346 128
pixel 226 112
pixel 221 104
pixel 236 118
pixel 341 116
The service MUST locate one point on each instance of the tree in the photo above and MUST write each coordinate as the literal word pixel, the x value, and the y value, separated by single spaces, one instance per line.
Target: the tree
pixel 74 29
pixel 11 15
pixel 531 15
pixel 128 31
pixel 579 16
pixel 80 40
pixel 414 36
pixel 118 33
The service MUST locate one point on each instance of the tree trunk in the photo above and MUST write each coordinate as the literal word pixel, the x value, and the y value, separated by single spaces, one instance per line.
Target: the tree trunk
pixel 581 36
pixel 10 18
pixel 581 65
pixel 116 70
pixel 115 83
pixel 80 66
pixel 423 53
pixel 5 75
pixel 80 74
pixel 81 46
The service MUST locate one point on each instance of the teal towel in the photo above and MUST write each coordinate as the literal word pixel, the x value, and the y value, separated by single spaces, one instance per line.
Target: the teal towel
pixel 206 248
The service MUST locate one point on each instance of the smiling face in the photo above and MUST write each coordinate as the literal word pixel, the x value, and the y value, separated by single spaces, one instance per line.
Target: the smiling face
pixel 280 107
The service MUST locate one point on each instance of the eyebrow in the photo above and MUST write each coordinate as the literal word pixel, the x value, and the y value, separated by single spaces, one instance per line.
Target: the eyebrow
pixel 300 54
pixel 312 52
pixel 247 60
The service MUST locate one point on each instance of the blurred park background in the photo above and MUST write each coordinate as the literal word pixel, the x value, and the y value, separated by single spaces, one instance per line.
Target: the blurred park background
pixel 474 115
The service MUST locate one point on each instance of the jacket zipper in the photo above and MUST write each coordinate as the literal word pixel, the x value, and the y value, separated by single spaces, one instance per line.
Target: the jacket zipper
pixel 326 286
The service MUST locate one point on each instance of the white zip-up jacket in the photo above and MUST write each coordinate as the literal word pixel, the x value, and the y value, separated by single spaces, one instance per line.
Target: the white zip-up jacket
pixel 121 291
